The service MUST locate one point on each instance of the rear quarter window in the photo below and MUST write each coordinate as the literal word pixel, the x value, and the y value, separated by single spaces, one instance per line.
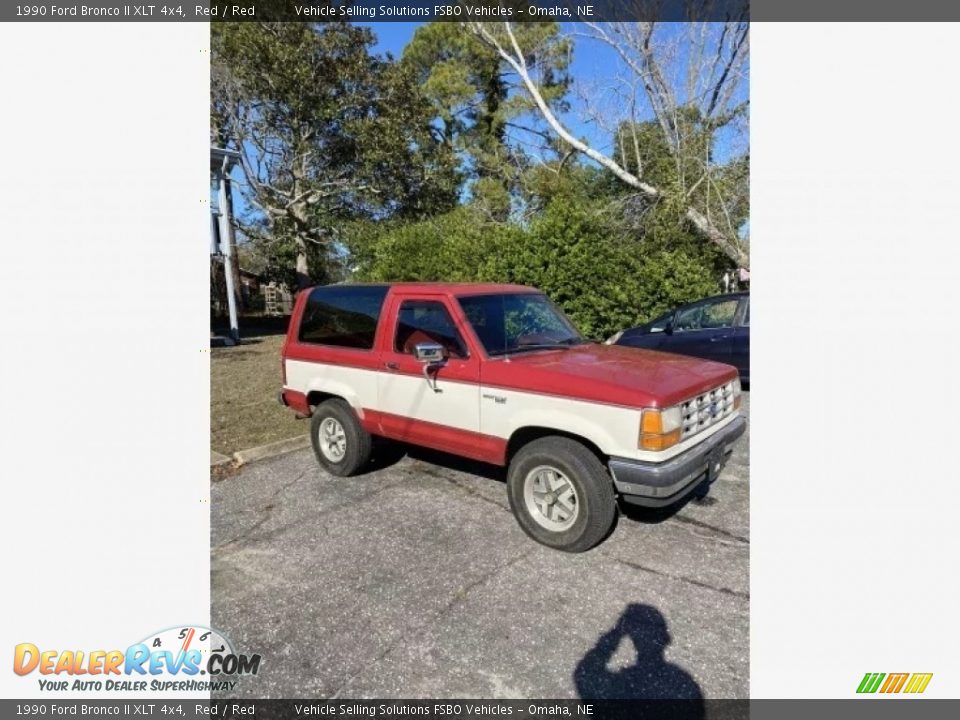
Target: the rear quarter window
pixel 342 315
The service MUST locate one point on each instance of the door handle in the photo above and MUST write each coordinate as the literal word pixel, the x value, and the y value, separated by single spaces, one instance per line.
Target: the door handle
pixel 719 338
pixel 392 366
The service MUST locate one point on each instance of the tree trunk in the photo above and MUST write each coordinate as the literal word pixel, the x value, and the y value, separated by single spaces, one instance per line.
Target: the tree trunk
pixel 709 231
pixel 303 266
pixel 298 211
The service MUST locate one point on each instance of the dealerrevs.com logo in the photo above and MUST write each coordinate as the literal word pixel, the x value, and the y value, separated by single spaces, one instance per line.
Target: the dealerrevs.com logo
pixel 893 683
pixel 182 659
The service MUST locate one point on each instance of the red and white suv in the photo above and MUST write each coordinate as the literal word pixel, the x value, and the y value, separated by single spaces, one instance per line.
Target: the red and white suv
pixel 497 373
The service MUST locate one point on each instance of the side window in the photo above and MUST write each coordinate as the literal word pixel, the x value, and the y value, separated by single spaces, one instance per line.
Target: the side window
pixel 688 319
pixel 719 314
pixel 342 315
pixel 746 315
pixel 427 321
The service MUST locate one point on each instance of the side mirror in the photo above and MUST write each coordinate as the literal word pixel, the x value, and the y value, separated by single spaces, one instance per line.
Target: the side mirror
pixel 668 329
pixel 428 352
pixel 433 357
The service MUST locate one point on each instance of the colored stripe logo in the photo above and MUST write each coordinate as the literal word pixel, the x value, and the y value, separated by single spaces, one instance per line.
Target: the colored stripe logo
pixel 913 683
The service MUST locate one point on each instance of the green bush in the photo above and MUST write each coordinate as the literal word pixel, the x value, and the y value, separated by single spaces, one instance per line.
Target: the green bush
pixel 603 278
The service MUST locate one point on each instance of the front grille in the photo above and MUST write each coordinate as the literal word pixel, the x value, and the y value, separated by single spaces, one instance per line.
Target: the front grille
pixel 702 411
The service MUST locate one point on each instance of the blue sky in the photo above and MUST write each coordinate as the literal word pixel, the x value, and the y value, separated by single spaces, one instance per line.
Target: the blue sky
pixel 589 61
pixel 595 67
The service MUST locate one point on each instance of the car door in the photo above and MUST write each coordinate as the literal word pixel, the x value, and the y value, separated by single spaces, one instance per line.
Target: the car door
pixel 441 412
pixel 704 330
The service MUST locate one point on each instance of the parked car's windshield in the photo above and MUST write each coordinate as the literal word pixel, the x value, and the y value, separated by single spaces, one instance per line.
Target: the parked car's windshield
pixel 520 322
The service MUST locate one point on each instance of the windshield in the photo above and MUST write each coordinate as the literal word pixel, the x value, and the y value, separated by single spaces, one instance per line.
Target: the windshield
pixel 520 322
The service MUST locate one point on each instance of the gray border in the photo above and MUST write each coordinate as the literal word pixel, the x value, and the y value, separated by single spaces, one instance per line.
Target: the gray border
pixel 874 708
pixel 519 10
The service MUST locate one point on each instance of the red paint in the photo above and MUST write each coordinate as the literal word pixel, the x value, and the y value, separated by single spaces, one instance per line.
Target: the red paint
pixel 293 349
pixel 297 401
pixel 609 374
pixel 348 357
pixel 457 369
pixel 473 445
pixel 448 289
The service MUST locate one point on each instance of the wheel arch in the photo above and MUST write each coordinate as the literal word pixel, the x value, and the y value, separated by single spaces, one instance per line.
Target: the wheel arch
pixel 315 397
pixel 525 435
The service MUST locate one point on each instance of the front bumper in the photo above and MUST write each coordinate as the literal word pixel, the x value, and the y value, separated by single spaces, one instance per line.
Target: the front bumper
pixel 660 484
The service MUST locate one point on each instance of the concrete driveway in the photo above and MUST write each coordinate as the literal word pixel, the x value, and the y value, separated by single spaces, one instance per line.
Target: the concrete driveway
pixel 414 580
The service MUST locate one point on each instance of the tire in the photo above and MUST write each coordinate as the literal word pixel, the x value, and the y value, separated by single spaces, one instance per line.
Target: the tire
pixel 340 443
pixel 561 494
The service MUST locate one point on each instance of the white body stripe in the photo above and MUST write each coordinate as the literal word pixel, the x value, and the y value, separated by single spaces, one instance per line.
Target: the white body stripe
pixel 355 385
pixel 405 395
pixel 457 405
pixel 613 429
pixel 488 410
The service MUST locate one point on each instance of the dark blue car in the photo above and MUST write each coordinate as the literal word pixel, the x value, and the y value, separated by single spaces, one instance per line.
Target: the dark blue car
pixel 717 328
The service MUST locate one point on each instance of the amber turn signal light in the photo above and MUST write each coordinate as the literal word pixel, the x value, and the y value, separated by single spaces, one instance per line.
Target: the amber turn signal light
pixel 651 441
pixel 659 429
pixel 651 422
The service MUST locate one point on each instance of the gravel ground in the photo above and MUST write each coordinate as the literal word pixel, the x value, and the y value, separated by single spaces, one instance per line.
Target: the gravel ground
pixel 414 580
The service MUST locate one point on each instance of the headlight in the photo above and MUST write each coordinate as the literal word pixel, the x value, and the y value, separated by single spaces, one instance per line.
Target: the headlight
pixel 659 428
pixel 613 338
pixel 736 393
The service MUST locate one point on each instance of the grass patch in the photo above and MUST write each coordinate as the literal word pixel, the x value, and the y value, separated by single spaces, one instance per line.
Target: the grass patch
pixel 244 382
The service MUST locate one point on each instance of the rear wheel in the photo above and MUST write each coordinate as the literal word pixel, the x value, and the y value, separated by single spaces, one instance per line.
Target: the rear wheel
pixel 561 494
pixel 340 443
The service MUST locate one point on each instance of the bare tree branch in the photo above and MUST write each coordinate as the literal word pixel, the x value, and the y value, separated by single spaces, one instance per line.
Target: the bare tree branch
pixel 518 63
pixel 635 45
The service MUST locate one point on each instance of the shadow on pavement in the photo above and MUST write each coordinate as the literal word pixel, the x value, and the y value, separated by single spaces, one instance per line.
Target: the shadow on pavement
pixel 393 452
pixel 650 676
pixel 654 516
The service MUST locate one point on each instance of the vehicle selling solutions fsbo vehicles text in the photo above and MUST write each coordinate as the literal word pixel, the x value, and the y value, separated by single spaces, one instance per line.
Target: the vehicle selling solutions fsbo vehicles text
pixel 441 11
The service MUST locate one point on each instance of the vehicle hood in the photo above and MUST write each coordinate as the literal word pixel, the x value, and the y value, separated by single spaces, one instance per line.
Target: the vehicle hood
pixel 609 373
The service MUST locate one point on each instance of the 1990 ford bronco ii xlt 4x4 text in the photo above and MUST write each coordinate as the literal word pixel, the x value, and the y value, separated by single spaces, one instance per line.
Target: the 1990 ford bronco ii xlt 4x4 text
pixel 497 373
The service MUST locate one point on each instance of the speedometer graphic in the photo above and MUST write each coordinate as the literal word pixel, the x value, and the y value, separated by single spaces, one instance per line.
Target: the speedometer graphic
pixel 179 641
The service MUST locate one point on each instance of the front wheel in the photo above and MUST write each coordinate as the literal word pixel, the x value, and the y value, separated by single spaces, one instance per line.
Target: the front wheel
pixel 340 443
pixel 561 494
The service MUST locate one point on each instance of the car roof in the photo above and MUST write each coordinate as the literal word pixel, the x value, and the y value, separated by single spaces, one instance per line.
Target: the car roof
pixel 722 296
pixel 446 287
pixel 671 311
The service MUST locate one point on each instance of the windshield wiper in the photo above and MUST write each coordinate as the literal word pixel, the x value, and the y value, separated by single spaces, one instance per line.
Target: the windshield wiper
pixel 558 345
pixel 563 345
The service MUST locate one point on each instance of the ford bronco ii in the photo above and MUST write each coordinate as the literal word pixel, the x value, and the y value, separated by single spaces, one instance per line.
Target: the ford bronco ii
pixel 497 373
